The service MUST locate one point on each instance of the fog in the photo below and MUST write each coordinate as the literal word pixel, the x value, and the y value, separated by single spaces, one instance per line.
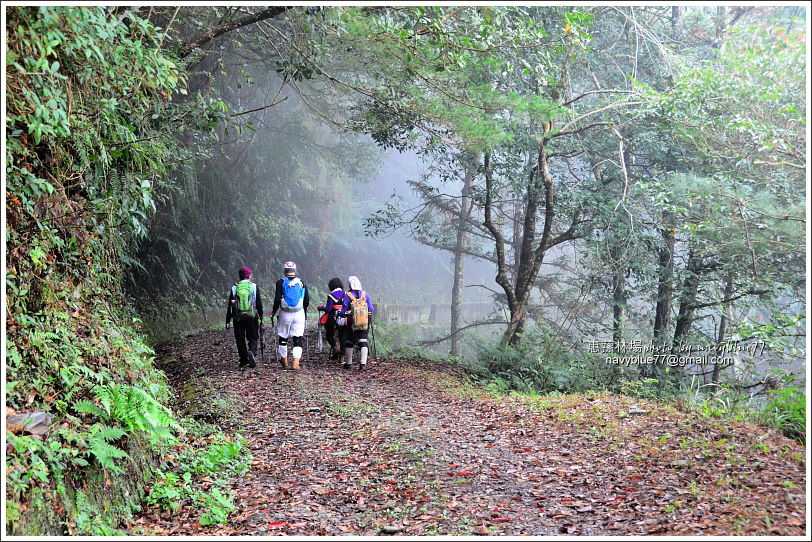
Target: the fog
pixel 323 180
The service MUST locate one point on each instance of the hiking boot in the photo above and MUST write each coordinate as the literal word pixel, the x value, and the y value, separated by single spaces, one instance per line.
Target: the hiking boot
pixel 243 363
pixel 284 362
pixel 362 367
pixel 251 360
pixel 346 366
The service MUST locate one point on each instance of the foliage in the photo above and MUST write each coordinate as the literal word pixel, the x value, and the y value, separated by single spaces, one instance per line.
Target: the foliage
pixel 89 141
pixel 131 174
pixel 647 388
pixel 210 455
pixel 538 365
pixel 398 340
pixel 786 410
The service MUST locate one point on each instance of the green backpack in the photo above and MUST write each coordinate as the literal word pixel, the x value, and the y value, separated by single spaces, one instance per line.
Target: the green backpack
pixel 246 300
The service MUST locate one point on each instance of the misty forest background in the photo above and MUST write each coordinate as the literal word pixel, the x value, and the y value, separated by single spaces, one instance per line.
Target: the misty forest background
pixel 595 176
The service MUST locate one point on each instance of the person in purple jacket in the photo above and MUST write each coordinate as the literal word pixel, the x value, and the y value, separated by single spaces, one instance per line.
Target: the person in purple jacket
pixel 355 336
pixel 331 308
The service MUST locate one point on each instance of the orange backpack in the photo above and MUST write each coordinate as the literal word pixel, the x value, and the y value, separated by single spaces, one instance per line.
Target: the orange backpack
pixel 360 312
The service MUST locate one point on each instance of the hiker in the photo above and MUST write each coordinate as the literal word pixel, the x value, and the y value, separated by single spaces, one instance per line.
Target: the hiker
pixel 357 312
pixel 331 308
pixel 245 308
pixel 291 300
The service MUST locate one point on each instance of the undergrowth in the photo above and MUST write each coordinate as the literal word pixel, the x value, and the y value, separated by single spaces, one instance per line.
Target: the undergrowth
pixel 398 340
pixel 539 366
pixel 83 166
pixel 196 475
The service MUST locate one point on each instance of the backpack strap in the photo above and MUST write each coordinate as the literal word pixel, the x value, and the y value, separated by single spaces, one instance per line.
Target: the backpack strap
pixel 352 297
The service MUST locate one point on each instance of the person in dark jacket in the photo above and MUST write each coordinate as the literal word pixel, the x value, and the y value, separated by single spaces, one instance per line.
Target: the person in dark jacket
pixel 331 308
pixel 355 337
pixel 245 309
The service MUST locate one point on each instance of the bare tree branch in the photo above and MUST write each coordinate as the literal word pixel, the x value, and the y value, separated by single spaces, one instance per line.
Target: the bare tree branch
pixel 206 37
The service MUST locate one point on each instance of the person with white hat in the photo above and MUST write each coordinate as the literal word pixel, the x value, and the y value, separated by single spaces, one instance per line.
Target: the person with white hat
pixel 291 300
pixel 358 310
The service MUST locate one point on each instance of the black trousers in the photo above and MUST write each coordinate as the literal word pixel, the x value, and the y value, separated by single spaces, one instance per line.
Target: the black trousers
pixel 331 330
pixel 247 329
pixel 358 337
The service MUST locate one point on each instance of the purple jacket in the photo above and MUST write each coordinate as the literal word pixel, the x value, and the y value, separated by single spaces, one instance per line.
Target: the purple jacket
pixel 338 293
pixel 357 295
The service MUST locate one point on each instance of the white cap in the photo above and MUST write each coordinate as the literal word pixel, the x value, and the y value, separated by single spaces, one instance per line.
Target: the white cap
pixel 355 283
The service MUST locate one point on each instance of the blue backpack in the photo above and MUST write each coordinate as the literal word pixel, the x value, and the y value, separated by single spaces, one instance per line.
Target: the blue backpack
pixel 293 292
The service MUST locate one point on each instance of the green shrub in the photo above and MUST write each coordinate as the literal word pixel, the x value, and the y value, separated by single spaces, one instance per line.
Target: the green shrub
pixel 787 411
pixel 541 364
pixel 398 340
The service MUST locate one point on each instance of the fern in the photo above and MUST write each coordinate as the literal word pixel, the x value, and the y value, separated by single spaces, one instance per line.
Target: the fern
pixel 136 408
pixel 84 406
pixel 108 433
pixel 100 448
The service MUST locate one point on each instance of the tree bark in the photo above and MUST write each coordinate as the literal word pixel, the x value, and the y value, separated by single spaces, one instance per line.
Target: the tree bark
pixel 459 259
pixel 499 240
pixel 665 284
pixel 676 18
pixel 618 299
pixel 541 181
pixel 690 288
pixel 717 368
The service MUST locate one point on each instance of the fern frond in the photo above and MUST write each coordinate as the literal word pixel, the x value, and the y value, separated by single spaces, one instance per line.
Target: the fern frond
pixel 105 395
pixel 106 454
pixel 109 434
pixel 89 407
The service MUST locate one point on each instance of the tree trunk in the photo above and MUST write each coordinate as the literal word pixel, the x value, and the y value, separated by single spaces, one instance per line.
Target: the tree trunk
pixel 618 303
pixel 541 184
pixel 717 367
pixel 690 287
pixel 720 26
pixel 676 17
pixel 499 241
pixel 665 286
pixel 459 259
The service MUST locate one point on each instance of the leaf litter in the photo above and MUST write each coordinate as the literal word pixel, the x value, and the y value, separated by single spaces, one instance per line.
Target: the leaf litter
pixel 408 447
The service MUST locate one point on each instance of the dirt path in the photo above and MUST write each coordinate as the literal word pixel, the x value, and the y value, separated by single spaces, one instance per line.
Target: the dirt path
pixel 406 447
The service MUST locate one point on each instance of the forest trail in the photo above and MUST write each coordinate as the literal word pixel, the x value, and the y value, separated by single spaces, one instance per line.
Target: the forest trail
pixel 408 448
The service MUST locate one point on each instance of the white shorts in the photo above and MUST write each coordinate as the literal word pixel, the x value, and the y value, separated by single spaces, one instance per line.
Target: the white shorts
pixel 291 324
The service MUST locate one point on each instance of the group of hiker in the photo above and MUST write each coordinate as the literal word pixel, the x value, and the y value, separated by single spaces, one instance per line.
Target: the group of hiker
pixel 346 319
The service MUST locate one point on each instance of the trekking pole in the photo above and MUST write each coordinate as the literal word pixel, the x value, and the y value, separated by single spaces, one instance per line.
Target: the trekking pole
pixel 307 343
pixel 372 332
pixel 261 342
